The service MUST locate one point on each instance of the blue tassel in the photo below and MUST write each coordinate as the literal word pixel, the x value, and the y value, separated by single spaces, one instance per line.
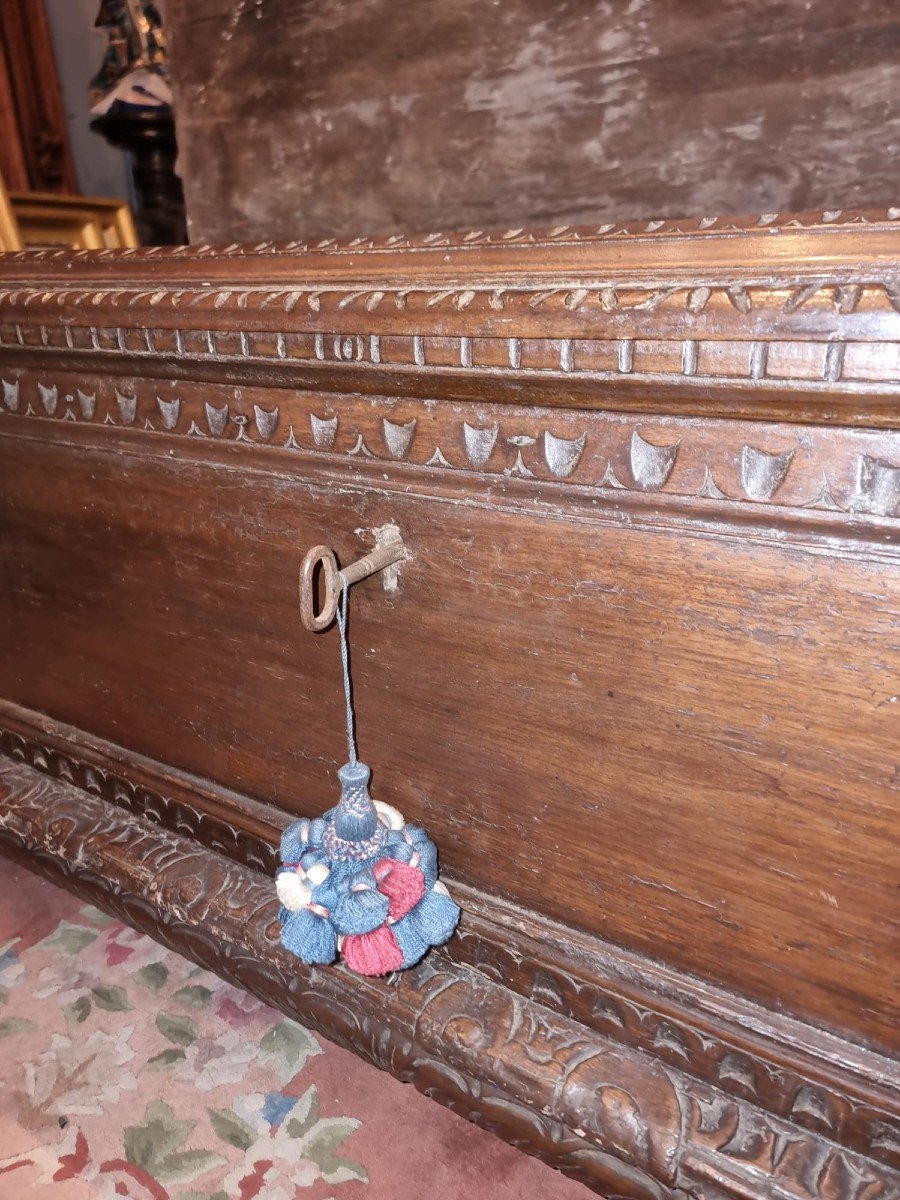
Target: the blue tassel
pixel 429 924
pixel 360 912
pixel 300 837
pixel 435 916
pixel 409 939
pixel 326 894
pixel 355 818
pixel 398 847
pixel 342 872
pixel 349 840
pixel 316 831
pixel 310 937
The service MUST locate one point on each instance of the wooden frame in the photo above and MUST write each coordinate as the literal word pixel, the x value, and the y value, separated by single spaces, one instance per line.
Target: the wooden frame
pixel 10 237
pixel 81 222
pixel 721 396
pixel 35 152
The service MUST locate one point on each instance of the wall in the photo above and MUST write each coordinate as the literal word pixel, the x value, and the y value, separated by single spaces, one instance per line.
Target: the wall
pixel 102 171
pixel 337 117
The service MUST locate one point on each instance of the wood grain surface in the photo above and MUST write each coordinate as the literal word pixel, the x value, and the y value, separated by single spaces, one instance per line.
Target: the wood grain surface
pixel 684 751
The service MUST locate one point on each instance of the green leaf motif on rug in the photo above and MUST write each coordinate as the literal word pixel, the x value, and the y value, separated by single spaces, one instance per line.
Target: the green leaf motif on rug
pixel 288 1045
pixel 153 976
pixel 187 1165
pixel 154 1147
pixel 11 1025
pixel 180 1030
pixel 78 1011
pixel 231 1128
pixel 320 1138
pixel 71 939
pixel 304 1114
pixel 165 1059
pixel 321 1143
pixel 194 996
pixel 112 998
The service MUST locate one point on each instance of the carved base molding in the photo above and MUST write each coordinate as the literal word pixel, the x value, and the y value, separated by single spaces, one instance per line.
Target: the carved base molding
pixel 619 1072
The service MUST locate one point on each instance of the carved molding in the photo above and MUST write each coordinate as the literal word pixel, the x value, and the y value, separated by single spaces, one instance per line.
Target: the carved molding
pixel 765 303
pixel 620 1119
pixel 791 319
pixel 840 294
pixel 234 838
pixel 837 472
pixel 785 1068
pixel 831 335
pixel 712 226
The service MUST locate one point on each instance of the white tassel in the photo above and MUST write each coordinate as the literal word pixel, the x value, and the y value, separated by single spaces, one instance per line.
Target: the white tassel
pixel 293 893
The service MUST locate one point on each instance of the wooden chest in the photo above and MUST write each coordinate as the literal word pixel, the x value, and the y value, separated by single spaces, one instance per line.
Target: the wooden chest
pixel 639 678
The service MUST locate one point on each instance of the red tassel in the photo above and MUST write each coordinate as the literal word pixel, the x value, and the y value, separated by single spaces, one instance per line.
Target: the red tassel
pixel 374 953
pixel 403 885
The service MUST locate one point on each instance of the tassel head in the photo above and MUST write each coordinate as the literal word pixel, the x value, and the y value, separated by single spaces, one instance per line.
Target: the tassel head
pixel 353 832
pixel 355 818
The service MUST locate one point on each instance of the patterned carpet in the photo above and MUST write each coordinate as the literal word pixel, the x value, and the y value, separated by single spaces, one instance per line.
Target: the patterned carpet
pixel 128 1072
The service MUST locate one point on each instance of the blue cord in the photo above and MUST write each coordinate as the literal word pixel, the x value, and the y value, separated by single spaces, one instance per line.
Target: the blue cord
pixel 342 626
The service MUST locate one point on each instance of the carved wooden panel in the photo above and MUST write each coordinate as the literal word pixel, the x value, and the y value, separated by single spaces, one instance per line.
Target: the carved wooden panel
pixel 837 472
pixel 637 679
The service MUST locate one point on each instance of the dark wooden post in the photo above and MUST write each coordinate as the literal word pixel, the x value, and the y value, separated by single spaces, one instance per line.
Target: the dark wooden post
pixel 148 134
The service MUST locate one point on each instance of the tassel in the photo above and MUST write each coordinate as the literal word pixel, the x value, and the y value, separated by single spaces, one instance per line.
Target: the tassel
pixel 294 841
pixel 430 923
pixel 436 915
pixel 371 881
pixel 361 910
pixel 293 891
pixel 359 879
pixel 375 953
pixel 309 936
pixel 412 844
pixel 404 886
pixel 410 940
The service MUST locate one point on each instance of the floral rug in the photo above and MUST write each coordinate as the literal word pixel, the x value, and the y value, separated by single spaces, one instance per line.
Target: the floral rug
pixel 126 1071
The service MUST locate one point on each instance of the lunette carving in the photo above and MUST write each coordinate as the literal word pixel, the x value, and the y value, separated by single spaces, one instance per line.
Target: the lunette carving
pixel 127 408
pixel 878 487
pixel 49 398
pixel 116 788
pixel 651 465
pixel 762 472
pixel 841 471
